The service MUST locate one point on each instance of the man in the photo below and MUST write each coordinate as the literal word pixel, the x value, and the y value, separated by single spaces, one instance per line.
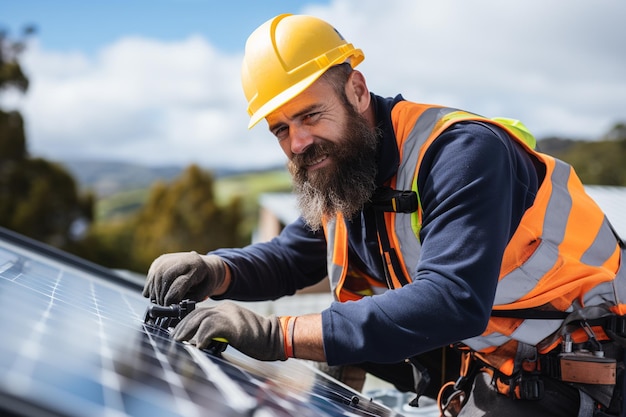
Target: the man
pixel 436 228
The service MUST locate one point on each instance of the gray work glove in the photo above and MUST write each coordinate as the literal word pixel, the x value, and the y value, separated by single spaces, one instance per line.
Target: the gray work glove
pixel 174 277
pixel 254 335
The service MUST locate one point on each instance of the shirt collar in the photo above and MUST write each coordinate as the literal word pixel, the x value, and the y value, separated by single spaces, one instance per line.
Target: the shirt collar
pixel 388 158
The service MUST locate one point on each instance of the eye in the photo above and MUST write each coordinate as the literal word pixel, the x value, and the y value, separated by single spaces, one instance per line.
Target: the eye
pixel 312 117
pixel 280 132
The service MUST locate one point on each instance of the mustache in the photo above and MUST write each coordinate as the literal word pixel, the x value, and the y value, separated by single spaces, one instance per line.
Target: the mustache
pixel 312 154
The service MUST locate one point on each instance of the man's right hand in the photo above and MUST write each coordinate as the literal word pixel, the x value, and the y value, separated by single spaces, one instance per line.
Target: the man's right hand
pixel 174 277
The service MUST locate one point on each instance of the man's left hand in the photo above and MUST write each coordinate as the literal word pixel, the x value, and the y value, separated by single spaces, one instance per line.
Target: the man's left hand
pixel 254 335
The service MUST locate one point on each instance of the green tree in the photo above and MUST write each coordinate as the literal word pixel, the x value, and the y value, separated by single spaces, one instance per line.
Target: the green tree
pixel 110 244
pixel 12 137
pixel 11 74
pixel 617 133
pixel 600 162
pixel 38 198
pixel 183 216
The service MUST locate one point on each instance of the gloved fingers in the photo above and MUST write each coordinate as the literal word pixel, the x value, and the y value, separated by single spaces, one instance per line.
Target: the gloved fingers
pixel 199 329
pixel 176 289
pixel 176 271
pixel 189 325
pixel 161 288
pixel 147 288
pixel 156 288
pixel 173 277
pixel 254 335
pixel 154 277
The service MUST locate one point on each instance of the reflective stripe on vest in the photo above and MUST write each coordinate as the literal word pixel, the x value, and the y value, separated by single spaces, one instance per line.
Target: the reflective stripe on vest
pixel 337 255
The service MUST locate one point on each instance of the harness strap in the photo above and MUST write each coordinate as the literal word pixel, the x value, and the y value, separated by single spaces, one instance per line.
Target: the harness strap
pixel 526 354
pixel 386 199
pixel 615 328
pixel 595 315
pixel 587 405
pixel 453 395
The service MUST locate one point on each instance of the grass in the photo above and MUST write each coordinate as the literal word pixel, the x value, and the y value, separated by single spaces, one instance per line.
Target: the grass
pixel 120 205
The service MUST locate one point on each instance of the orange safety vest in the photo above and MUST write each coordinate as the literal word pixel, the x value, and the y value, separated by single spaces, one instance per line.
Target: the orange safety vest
pixel 564 254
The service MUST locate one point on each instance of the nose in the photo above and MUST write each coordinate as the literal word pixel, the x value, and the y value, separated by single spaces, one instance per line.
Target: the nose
pixel 299 139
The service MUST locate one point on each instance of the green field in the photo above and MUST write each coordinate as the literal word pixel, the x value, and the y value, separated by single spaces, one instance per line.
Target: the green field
pixel 246 187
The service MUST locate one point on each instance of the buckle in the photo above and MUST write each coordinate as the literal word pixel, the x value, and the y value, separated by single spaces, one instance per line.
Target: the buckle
pixel 451 400
pixel 617 325
pixel 530 387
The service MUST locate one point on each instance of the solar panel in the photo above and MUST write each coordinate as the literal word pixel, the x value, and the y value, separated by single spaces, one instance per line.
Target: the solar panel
pixel 74 343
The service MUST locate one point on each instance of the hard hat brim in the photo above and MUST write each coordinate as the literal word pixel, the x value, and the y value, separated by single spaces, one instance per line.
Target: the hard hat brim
pixel 355 57
pixel 283 98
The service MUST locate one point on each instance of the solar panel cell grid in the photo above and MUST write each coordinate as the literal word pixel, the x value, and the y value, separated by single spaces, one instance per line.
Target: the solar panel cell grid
pixel 75 344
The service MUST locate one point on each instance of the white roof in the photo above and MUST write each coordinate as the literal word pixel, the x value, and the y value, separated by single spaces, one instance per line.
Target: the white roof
pixel 282 205
pixel 612 200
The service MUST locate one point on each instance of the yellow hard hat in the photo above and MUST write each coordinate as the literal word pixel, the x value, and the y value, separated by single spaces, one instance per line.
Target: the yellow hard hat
pixel 287 54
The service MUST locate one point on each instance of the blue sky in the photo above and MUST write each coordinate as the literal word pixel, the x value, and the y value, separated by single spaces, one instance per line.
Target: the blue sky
pixel 67 25
pixel 157 81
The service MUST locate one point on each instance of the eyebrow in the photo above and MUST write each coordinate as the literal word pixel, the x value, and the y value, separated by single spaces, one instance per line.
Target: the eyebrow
pixel 306 110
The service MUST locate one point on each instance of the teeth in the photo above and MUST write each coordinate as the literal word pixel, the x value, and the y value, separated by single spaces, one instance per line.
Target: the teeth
pixel 317 161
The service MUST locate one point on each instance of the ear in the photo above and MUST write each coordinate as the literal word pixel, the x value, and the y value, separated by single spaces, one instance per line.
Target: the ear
pixel 357 91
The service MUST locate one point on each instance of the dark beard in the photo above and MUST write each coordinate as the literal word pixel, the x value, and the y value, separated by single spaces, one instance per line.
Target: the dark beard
pixel 347 183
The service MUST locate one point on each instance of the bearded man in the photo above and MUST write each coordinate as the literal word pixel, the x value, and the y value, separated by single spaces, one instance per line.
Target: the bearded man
pixel 334 174
pixel 436 227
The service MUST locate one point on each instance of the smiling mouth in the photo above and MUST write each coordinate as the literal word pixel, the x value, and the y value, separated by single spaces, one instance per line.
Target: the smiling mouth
pixel 316 162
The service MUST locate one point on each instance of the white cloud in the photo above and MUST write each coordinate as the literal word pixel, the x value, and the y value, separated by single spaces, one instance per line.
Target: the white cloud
pixel 557 65
pixel 497 58
pixel 141 100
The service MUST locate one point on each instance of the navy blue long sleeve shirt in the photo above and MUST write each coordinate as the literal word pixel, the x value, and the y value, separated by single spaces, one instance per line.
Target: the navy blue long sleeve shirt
pixel 475 183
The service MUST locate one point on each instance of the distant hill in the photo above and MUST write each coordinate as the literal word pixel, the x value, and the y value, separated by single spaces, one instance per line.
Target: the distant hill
pixel 110 177
pixel 556 146
pixel 106 178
